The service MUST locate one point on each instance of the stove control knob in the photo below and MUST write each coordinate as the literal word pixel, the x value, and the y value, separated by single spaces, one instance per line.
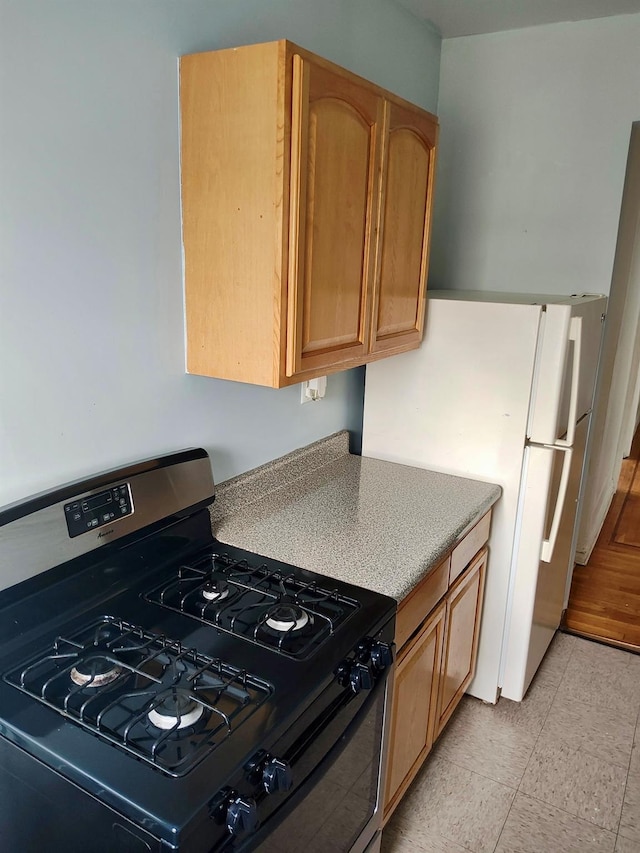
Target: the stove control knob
pixel 357 676
pixel 381 656
pixel 277 776
pixel 360 677
pixel 242 816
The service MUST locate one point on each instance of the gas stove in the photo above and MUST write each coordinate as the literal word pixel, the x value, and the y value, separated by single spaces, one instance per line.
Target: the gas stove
pixel 160 690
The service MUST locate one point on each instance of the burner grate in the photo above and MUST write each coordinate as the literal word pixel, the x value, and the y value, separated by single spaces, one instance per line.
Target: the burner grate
pixel 149 695
pixel 253 602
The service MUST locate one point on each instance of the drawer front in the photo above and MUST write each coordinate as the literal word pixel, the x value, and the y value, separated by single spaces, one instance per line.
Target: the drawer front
pixel 420 602
pixel 469 547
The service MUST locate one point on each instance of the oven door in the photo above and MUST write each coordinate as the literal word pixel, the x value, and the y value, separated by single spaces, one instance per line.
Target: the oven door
pixel 338 807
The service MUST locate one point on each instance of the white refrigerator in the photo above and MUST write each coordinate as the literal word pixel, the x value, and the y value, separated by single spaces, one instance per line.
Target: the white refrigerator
pixel 501 390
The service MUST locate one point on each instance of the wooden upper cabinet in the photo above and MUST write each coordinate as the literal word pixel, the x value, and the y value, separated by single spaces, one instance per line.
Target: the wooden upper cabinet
pixel 306 197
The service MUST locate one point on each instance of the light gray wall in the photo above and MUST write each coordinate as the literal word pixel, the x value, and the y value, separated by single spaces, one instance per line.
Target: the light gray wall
pixel 535 128
pixel 91 319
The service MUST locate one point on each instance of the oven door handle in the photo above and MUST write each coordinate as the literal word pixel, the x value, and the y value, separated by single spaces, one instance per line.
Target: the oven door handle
pixel 331 714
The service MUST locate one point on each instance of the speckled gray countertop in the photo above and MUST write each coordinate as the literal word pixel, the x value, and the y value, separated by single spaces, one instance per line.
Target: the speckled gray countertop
pixel 372 523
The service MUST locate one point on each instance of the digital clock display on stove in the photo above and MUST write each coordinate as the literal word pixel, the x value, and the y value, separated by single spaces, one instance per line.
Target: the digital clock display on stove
pixel 96 510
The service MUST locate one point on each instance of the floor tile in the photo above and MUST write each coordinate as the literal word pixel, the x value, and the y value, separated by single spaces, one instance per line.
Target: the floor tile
pixel 624 845
pixel 593 651
pixel 489 740
pixel 575 781
pixel 400 841
pixel 630 819
pixel 555 661
pixel 602 676
pixel 597 731
pixel 530 714
pixel 455 803
pixel 535 827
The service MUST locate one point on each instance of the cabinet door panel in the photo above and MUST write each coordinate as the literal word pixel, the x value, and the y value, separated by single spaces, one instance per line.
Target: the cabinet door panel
pixel 404 230
pixel 464 605
pixel 414 704
pixel 339 141
pixel 336 128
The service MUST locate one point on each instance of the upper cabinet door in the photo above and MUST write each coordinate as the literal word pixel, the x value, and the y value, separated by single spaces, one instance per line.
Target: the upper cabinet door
pixel 403 241
pixel 336 133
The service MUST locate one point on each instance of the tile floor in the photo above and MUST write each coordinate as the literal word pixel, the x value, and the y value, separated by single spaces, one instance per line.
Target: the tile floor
pixel 557 773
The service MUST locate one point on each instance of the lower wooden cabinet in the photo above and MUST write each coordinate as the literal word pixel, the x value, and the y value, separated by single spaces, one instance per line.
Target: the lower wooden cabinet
pixel 415 696
pixel 435 663
pixel 464 606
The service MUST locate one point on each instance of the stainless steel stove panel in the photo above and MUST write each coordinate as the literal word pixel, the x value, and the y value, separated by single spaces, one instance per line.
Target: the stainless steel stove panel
pixel 35 537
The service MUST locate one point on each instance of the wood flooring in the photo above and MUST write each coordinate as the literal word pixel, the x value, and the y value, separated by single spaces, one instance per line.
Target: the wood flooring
pixel 604 602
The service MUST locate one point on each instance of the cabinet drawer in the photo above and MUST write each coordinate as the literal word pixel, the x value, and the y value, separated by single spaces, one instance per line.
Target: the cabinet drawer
pixel 420 602
pixel 469 547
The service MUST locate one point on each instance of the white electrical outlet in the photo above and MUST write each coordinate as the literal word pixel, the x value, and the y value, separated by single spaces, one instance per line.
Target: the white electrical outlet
pixel 313 390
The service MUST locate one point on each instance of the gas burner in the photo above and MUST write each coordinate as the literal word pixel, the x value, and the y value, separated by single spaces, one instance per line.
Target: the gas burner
pixel 177 710
pixel 285 617
pixel 95 672
pixel 277 608
pixel 215 589
pixel 170 706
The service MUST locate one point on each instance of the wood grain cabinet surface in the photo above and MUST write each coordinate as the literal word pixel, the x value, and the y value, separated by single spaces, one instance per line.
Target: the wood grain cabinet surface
pixel 437 631
pixel 462 626
pixel 306 195
pixel 415 696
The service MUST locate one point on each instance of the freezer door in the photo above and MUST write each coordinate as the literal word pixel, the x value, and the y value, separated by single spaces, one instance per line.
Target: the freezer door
pixel 566 365
pixel 538 586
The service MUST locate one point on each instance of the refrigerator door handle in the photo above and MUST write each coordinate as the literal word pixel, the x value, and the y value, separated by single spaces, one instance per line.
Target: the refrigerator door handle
pixel 575 335
pixel 548 545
